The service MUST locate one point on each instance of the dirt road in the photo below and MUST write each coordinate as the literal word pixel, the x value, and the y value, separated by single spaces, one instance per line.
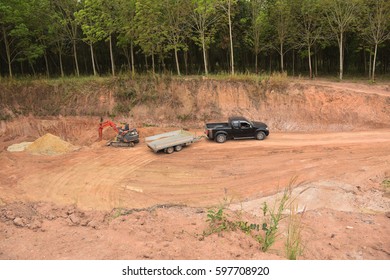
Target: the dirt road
pixel 102 178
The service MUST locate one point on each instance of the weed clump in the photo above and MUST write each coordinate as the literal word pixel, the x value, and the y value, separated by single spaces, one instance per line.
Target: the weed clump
pixel 267 231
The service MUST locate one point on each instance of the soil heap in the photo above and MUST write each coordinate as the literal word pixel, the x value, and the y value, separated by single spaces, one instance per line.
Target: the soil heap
pixel 50 144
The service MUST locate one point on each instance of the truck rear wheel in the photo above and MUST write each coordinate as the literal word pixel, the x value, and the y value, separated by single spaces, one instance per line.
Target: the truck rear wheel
pixel 169 150
pixel 221 138
pixel 260 135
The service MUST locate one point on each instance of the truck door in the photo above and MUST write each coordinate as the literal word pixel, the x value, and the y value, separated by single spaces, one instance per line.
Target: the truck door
pixel 246 129
pixel 237 131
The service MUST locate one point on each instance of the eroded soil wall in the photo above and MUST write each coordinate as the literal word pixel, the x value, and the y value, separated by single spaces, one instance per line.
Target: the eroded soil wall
pixel 73 111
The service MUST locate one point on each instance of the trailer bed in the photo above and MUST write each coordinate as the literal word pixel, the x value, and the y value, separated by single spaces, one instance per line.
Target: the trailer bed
pixel 171 141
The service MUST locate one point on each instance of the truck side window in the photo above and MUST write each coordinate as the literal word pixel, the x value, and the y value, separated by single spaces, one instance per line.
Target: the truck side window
pixel 245 125
pixel 235 124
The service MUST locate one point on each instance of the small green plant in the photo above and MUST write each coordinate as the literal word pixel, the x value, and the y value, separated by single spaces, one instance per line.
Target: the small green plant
pixel 268 231
pixel 293 244
pixel 386 184
pixel 246 227
pixel 271 219
pixel 117 212
pixel 218 219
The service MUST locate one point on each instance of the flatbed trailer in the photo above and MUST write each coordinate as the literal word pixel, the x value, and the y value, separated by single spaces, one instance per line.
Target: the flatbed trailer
pixel 171 141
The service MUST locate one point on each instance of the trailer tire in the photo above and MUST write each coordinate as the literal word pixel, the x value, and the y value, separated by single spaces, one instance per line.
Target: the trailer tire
pixel 178 148
pixel 169 150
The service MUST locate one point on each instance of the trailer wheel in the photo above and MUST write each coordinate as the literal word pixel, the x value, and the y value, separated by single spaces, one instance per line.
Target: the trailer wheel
pixel 221 138
pixel 178 148
pixel 132 144
pixel 169 150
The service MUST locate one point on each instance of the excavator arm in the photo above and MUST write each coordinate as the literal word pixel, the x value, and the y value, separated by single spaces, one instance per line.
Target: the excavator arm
pixel 104 124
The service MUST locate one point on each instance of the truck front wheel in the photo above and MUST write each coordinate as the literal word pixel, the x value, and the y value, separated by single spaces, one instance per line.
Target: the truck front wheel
pixel 260 135
pixel 221 138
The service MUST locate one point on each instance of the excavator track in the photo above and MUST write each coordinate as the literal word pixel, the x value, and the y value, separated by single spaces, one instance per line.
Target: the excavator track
pixel 120 144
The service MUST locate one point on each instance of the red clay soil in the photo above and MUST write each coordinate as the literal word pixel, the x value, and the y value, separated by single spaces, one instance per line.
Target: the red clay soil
pixel 100 202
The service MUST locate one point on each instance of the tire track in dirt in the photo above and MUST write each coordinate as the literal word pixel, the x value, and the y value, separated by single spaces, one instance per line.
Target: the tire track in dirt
pixel 85 179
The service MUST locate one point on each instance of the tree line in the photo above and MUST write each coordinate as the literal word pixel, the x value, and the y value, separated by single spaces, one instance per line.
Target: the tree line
pixel 85 37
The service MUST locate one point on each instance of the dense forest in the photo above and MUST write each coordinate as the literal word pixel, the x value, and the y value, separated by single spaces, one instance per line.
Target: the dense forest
pixel 57 38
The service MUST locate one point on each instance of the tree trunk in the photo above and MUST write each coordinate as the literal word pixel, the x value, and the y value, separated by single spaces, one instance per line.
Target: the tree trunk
pixel 204 54
pixel 112 57
pixel 281 58
pixel 374 62
pixel 370 66
pixel 32 67
pixel 316 62
pixel 231 39
pixel 310 69
pixel 75 58
pixel 127 55
pixel 61 66
pixel 93 60
pixel 8 52
pixel 256 69
pixel 365 61
pixel 177 62
pixel 47 64
pixel 341 55
pixel 146 63
pixel 293 63
pixel 153 70
pixel 132 58
pixel 186 61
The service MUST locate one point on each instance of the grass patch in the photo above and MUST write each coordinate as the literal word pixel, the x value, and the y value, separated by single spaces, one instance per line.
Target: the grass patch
pixel 386 184
pixel 267 231
pixel 218 219
pixel 293 243
pixel 271 220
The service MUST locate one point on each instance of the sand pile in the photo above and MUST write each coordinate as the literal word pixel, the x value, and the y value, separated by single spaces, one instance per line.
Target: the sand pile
pixel 50 144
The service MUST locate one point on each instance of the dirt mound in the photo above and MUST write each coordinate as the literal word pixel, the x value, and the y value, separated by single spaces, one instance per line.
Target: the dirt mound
pixel 50 144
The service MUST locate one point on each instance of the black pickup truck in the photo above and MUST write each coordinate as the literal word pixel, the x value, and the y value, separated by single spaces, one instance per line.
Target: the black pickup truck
pixel 236 128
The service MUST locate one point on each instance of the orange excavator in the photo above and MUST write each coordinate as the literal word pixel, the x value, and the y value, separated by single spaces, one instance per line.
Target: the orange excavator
pixel 126 137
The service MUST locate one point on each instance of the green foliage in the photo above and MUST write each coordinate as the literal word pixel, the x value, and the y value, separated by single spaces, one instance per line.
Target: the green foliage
pixel 93 21
pixel 271 219
pixel 217 220
pixel 267 232
pixel 39 36
pixel 293 243
pixel 386 184
pixel 150 33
